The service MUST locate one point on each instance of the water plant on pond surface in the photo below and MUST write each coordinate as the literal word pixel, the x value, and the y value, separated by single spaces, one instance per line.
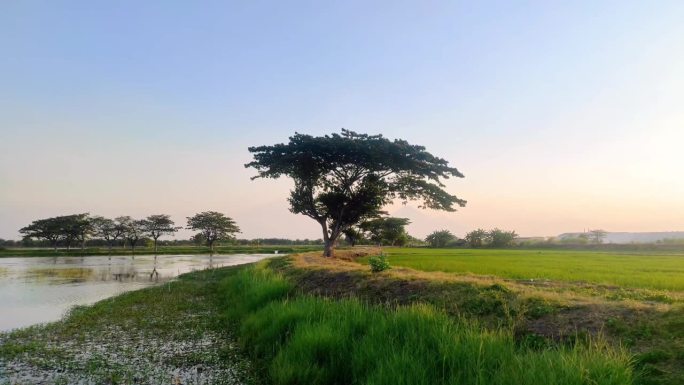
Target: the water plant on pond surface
pixel 153 336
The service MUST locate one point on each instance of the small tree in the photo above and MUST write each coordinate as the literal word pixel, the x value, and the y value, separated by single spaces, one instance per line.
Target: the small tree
pixel 213 226
pixel 501 238
pixel 341 180
pixel 598 235
pixel 158 225
pixel 477 238
pixel 133 230
pixel 440 238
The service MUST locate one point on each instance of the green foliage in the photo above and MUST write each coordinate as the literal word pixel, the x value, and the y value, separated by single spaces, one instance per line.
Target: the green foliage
pixel 312 340
pixel 65 229
pixel 158 225
pixel 133 230
pixel 108 229
pixel 492 238
pixel 501 238
pixel 378 263
pixel 477 238
pixel 343 179
pixel 440 238
pixel 386 230
pixel 582 239
pixel 353 236
pixel 213 226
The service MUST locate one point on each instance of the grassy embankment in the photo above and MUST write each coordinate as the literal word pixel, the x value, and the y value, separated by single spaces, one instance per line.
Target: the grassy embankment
pixel 162 250
pixel 304 339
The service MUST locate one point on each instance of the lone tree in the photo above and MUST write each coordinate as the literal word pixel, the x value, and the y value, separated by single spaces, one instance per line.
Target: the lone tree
pixel 157 225
pixel 597 235
pixel 341 180
pixel 440 238
pixel 213 226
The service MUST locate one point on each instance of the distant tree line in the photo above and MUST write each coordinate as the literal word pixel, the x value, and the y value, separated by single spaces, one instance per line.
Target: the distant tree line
pixel 381 231
pixel 77 229
pixel 477 238
pixel 278 242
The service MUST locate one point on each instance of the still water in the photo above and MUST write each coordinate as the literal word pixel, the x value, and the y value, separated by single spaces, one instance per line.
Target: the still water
pixel 41 289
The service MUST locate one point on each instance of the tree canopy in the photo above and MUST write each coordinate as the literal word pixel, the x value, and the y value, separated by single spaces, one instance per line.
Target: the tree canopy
pixel 157 225
pixel 213 226
pixel 477 238
pixel 597 235
pixel 108 229
pixel 343 179
pixel 386 230
pixel 440 238
pixel 65 229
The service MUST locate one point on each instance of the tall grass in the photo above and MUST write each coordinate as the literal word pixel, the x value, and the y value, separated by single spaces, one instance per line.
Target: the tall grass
pixel 311 340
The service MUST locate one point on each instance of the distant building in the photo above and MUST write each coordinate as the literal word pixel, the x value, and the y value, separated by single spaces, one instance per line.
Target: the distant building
pixel 637 237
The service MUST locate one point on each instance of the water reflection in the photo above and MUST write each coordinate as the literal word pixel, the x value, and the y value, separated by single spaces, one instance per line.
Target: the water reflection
pixel 42 289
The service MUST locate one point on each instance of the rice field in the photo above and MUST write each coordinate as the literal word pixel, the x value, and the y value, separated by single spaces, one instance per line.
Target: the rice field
pixel 635 270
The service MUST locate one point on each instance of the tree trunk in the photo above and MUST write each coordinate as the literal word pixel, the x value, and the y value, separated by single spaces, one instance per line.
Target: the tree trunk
pixel 329 250
pixel 155 245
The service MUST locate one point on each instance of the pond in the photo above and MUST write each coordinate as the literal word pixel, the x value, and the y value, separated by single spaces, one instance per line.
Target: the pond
pixel 42 289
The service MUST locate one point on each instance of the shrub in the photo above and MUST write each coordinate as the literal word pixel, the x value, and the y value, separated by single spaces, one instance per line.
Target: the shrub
pixel 378 263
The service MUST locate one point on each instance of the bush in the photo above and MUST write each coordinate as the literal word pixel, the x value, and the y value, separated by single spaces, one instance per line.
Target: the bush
pixel 378 263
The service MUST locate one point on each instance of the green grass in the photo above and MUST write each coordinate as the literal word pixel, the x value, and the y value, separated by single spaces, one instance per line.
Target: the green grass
pixel 652 271
pixel 162 250
pixel 301 339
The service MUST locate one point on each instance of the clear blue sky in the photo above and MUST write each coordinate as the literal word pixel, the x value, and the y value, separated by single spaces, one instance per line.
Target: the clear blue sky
pixel 562 115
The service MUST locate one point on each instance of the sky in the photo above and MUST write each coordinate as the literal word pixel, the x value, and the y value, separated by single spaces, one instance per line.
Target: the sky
pixel 563 116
